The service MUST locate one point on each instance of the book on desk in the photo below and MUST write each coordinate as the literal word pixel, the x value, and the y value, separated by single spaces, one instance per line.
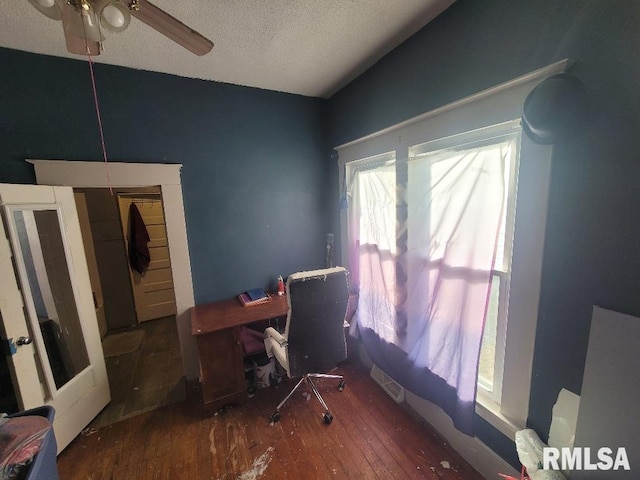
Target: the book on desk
pixel 255 296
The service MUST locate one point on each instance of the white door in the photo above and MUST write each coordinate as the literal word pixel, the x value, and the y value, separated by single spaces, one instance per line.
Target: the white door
pixel 48 315
pixel 152 292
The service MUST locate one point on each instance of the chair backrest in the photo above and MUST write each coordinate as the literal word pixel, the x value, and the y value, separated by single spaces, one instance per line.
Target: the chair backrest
pixel 318 303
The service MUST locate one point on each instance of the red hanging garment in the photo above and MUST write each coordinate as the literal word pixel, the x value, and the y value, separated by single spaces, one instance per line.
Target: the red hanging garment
pixel 139 256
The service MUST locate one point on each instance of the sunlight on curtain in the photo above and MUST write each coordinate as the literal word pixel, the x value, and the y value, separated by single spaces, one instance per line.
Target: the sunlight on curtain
pixel 373 243
pixel 421 308
pixel 456 201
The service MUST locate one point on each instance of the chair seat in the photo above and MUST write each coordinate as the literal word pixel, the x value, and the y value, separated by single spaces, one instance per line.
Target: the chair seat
pixel 314 339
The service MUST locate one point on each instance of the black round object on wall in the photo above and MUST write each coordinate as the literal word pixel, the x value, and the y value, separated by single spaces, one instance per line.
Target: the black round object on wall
pixel 554 109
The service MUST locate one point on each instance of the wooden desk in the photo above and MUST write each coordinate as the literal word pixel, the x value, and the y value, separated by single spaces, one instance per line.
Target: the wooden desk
pixel 217 328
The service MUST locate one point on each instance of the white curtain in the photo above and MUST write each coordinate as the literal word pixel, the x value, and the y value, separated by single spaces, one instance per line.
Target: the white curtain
pixel 456 204
pixel 423 239
pixel 372 224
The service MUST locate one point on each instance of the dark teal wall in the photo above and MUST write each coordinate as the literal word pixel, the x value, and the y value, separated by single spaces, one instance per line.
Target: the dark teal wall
pixel 254 176
pixel 260 191
pixel 592 250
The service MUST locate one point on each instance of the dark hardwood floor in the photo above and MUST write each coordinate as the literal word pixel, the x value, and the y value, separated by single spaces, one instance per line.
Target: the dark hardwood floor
pixel 371 437
pixel 147 378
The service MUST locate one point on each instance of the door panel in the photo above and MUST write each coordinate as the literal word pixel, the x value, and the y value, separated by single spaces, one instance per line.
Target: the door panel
pixel 153 292
pixel 92 262
pixel 157 235
pixel 28 388
pixel 52 299
pixel 111 258
pixel 63 366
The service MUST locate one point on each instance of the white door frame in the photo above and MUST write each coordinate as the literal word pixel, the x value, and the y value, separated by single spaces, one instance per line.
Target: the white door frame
pixel 96 174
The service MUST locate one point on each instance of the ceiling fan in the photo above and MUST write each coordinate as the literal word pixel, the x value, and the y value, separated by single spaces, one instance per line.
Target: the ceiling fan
pixel 84 20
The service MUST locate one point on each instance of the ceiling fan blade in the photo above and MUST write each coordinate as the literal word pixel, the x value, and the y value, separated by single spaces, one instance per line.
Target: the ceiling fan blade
pixel 170 27
pixel 72 24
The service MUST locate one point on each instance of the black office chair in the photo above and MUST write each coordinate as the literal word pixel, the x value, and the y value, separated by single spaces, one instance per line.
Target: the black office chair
pixel 314 337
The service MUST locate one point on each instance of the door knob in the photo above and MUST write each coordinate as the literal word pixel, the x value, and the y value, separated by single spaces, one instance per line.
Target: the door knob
pixel 23 341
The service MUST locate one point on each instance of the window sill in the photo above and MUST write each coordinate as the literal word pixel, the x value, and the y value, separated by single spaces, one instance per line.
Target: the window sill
pixel 490 411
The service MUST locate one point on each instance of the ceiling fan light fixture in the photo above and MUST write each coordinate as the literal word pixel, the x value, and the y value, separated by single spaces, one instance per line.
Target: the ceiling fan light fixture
pixel 50 8
pixel 115 17
pixel 82 22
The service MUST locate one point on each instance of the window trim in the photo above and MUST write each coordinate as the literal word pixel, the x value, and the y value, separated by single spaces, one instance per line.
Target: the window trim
pixel 498 369
pixel 525 283
pixel 493 106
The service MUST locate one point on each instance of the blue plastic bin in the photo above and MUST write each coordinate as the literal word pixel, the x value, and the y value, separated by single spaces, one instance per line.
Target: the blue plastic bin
pixel 44 465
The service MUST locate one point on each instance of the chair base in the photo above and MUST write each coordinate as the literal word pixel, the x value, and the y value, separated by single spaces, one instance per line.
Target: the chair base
pixel 327 418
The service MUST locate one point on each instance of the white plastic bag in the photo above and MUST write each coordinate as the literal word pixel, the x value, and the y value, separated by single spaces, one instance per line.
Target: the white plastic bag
pixel 547 475
pixel 529 447
pixel 530 452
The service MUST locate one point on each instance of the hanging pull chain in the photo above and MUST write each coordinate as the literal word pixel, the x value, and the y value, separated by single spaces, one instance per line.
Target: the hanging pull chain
pixel 95 100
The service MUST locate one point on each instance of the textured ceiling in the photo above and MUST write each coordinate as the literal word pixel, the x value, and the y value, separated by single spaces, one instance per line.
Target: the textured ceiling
pixel 306 47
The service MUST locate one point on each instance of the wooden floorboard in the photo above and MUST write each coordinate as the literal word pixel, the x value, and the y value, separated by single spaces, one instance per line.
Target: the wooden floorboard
pixel 371 437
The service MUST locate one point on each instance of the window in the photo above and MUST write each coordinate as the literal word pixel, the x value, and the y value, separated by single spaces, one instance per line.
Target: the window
pixel 373 223
pixel 504 378
pixel 500 144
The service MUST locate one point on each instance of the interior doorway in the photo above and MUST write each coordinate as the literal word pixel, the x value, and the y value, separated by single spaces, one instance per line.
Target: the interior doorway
pixel 136 311
pixel 94 174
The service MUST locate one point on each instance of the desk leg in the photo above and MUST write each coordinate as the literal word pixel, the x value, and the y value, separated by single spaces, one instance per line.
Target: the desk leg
pixel 222 369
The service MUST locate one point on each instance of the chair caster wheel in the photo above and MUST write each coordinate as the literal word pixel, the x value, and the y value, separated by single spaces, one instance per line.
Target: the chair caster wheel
pixel 275 417
pixel 327 418
pixel 341 385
